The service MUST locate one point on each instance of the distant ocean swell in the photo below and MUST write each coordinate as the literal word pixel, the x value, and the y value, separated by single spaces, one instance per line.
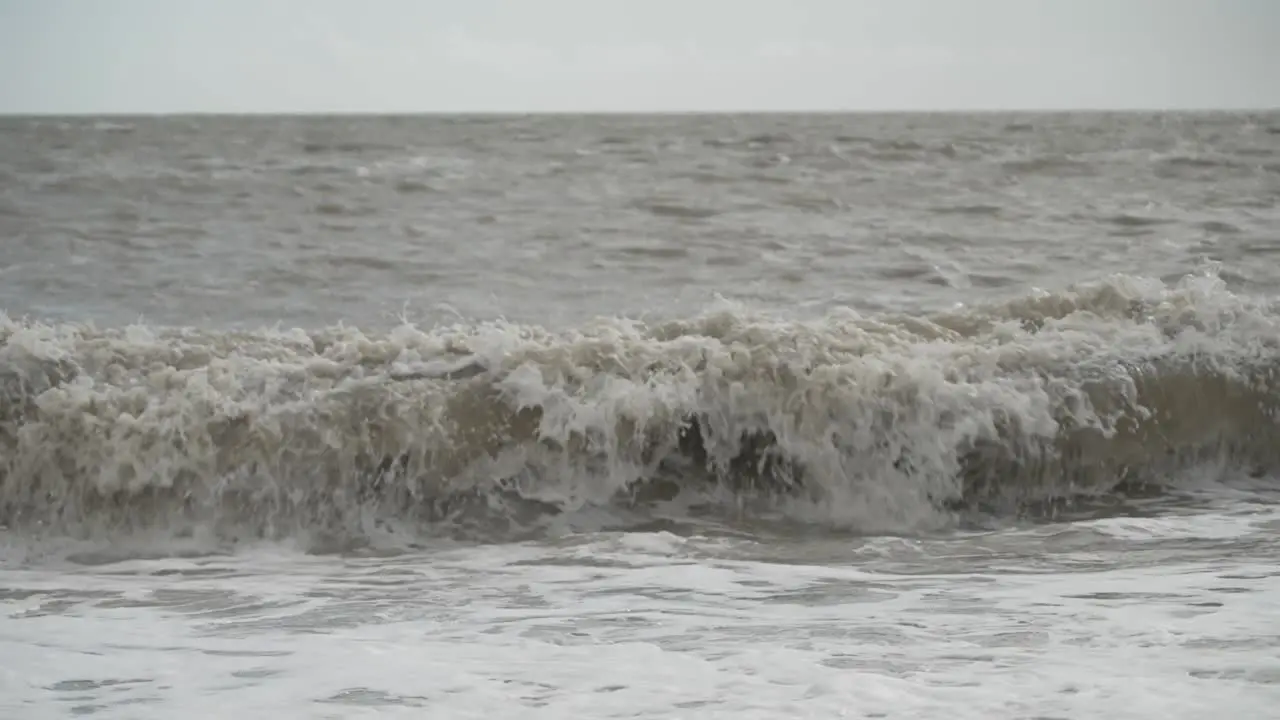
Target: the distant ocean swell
pixel 888 423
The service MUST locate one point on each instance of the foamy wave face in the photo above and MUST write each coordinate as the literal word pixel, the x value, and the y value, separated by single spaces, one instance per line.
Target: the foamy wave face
pixel 884 423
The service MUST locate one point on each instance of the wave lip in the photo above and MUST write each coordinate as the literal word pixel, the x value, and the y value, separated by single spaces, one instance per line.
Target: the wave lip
pixel 884 423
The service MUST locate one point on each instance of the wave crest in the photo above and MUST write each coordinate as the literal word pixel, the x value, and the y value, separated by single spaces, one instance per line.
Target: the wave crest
pixel 879 423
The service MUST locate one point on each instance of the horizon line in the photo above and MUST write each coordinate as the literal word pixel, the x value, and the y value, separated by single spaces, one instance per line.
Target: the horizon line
pixel 1189 109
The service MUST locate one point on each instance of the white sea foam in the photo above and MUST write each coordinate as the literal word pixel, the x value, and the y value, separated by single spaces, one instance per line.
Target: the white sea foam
pixel 653 624
pixel 876 423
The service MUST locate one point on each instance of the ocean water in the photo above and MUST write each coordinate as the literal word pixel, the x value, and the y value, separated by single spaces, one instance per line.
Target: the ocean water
pixel 864 416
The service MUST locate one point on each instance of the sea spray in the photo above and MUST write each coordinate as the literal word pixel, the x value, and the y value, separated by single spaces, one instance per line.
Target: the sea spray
pixel 888 423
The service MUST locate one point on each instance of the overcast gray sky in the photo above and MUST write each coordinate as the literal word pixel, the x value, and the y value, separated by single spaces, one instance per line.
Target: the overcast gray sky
pixel 621 55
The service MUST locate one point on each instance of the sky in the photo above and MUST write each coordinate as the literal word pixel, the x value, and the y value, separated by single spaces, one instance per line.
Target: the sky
pixel 392 56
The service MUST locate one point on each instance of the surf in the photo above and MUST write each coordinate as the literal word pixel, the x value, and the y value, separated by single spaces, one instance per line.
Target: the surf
pixel 890 423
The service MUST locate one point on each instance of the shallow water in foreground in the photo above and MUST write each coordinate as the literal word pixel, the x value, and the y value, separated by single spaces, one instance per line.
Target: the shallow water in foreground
pixel 1172 615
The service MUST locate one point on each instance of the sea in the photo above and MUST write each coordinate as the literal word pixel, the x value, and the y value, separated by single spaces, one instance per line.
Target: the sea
pixel 936 416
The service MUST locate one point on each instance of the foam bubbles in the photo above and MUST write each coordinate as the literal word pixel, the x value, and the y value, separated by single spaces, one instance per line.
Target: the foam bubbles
pixel 885 423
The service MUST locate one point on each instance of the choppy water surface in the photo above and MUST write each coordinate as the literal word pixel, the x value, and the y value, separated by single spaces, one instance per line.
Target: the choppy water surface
pixel 835 416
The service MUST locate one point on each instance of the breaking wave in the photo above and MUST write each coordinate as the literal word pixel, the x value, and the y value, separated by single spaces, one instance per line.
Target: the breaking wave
pixel 876 424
